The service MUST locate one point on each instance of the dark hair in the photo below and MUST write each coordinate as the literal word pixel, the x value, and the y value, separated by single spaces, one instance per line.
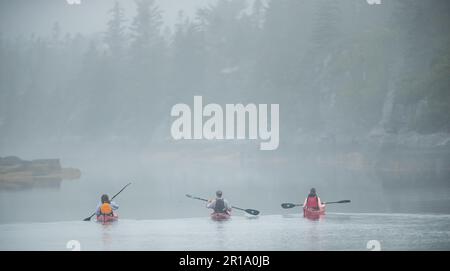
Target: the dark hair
pixel 312 193
pixel 219 193
pixel 105 199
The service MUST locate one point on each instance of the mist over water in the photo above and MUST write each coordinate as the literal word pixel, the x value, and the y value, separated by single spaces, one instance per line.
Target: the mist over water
pixel 363 95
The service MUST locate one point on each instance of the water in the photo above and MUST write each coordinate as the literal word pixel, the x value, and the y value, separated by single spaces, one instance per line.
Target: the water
pixel 336 231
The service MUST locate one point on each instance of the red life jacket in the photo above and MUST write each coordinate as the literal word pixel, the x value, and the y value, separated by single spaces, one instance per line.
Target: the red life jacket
pixel 312 202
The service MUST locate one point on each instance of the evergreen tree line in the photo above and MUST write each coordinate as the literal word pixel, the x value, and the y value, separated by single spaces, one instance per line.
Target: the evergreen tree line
pixel 330 64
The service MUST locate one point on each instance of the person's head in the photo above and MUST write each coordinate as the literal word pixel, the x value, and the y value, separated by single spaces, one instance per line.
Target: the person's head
pixel 218 193
pixel 105 198
pixel 312 192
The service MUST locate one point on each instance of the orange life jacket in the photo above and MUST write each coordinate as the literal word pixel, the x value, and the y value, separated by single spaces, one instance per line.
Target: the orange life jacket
pixel 106 209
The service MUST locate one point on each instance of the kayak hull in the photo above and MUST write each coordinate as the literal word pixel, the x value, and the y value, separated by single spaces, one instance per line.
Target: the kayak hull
pixel 313 214
pixel 105 219
pixel 220 216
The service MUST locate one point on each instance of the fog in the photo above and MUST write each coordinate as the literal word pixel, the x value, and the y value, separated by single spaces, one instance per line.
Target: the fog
pixel 20 17
pixel 363 92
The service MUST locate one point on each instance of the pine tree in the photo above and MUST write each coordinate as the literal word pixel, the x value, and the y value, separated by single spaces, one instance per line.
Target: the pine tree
pixel 56 32
pixel 146 27
pixel 258 10
pixel 326 29
pixel 115 35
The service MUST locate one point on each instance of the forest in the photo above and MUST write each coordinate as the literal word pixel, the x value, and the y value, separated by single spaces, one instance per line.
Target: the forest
pixel 335 67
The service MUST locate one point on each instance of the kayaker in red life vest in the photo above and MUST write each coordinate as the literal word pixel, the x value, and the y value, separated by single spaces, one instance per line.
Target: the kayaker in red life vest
pixel 219 205
pixel 106 207
pixel 313 201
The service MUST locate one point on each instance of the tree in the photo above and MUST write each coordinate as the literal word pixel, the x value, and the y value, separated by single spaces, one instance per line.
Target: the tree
pixel 423 87
pixel 146 28
pixel 326 29
pixel 188 56
pixel 56 32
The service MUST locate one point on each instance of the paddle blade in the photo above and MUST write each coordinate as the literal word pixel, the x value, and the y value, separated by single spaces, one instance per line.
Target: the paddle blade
pixel 87 219
pixel 345 201
pixel 252 212
pixel 288 205
pixel 189 196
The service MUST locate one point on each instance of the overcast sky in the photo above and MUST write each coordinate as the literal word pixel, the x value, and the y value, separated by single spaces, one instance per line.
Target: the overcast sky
pixel 23 17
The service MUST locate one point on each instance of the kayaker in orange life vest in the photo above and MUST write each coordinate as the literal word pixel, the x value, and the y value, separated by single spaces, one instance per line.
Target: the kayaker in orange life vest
pixel 106 207
pixel 313 201
pixel 219 205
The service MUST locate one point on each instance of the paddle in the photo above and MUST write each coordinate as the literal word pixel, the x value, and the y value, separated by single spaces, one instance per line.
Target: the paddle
pixel 292 205
pixel 89 218
pixel 248 211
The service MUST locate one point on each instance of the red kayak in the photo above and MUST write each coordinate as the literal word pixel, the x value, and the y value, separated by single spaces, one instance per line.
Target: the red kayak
pixel 220 216
pixel 104 219
pixel 313 214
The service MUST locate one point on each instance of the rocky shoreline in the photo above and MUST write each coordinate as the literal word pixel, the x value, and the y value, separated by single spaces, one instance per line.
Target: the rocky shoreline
pixel 18 174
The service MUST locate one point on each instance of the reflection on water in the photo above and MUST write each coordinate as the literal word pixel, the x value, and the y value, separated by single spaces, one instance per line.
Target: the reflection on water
pixel 220 236
pixel 289 232
pixel 313 234
pixel 106 235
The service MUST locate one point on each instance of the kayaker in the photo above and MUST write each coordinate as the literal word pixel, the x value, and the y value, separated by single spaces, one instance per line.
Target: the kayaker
pixel 219 205
pixel 106 207
pixel 313 201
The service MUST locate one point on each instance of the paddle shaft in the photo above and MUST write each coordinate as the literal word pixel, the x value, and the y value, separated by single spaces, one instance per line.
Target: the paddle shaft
pixel 341 201
pixel 192 197
pixel 120 191
pixel 89 218
pixel 253 212
pixel 292 205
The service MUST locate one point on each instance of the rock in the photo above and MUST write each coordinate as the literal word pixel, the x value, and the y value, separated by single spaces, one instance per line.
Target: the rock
pixel 10 160
pixel 16 174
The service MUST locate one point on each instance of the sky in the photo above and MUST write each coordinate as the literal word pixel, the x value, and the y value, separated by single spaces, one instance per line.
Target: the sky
pixel 24 17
